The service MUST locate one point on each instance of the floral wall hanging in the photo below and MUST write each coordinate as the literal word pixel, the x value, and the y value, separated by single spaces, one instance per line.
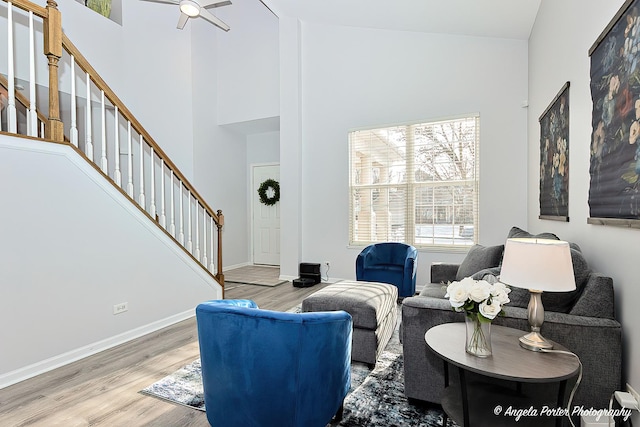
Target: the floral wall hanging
pixel 554 158
pixel 614 191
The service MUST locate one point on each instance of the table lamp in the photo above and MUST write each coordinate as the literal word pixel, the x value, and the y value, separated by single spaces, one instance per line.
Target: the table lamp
pixel 540 265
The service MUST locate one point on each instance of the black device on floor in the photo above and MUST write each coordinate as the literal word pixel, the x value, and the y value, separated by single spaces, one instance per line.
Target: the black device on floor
pixel 301 282
pixel 309 275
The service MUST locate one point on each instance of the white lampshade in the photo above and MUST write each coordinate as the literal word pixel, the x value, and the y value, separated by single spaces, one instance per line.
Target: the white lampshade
pixel 538 264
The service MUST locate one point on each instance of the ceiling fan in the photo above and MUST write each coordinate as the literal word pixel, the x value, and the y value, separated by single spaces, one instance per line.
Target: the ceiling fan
pixel 195 8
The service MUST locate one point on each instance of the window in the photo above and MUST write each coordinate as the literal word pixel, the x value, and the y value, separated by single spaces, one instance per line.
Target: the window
pixel 415 183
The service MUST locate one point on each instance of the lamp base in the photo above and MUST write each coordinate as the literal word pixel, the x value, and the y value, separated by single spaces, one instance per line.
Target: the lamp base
pixel 535 342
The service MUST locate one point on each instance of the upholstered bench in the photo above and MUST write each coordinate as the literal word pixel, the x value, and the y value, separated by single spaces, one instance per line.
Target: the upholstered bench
pixel 373 308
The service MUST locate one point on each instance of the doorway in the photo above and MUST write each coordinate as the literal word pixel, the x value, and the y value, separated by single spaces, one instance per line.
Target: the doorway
pixel 265 219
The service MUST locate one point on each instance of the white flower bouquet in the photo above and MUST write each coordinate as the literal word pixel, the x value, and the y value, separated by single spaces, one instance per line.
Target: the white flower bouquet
pixel 481 302
pixel 478 298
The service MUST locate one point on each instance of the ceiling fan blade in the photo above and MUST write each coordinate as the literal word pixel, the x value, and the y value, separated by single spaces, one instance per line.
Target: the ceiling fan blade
pixel 182 20
pixel 164 1
pixel 211 18
pixel 216 3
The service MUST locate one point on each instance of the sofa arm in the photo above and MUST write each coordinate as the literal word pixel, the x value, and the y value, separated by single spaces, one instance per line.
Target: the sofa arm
pixel 596 341
pixel 442 272
pixel 597 298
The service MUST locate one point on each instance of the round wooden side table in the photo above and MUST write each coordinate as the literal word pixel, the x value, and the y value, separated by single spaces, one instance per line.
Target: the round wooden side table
pixel 489 404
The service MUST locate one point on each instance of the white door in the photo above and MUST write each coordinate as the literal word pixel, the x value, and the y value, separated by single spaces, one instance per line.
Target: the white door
pixel 266 219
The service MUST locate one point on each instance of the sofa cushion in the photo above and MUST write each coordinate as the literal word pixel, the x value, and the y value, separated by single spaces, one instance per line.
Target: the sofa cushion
pixel 478 258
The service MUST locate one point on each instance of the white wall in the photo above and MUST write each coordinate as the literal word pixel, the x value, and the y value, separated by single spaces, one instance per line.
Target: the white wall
pixel 354 77
pixel 263 148
pixel 248 73
pixel 219 154
pixel 74 247
pixel 558 52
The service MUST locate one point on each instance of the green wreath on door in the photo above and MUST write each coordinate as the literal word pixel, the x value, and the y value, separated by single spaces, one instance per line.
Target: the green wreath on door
pixel 264 188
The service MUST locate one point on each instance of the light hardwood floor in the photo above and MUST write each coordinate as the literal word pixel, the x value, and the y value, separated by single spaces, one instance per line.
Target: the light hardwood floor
pixel 103 390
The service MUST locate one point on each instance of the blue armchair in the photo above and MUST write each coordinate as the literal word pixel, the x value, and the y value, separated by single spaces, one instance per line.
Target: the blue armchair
pixel 265 368
pixel 393 263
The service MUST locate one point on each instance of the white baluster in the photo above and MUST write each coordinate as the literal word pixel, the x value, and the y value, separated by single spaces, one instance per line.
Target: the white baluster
pixel 73 132
pixel 88 148
pixel 211 266
pixel 103 112
pixel 172 226
pixel 204 237
pixel 12 121
pixel 141 200
pixel 117 173
pixel 181 234
pixel 197 253
pixel 163 218
pixel 129 161
pixel 152 205
pixel 189 230
pixel 41 129
pixel 32 115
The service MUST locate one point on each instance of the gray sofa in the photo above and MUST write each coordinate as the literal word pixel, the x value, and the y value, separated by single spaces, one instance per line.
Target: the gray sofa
pixel 583 321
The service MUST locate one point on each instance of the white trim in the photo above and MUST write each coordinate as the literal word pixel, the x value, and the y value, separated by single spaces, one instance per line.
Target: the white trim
pixel 63 359
pixel 234 266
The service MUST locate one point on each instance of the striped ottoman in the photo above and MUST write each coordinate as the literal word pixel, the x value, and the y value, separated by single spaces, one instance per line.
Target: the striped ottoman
pixel 373 308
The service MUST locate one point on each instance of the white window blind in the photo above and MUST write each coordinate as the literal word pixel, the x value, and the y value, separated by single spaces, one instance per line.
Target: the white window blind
pixel 415 183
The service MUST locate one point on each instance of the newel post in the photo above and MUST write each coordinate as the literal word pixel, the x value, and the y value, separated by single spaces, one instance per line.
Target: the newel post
pixel 53 52
pixel 219 274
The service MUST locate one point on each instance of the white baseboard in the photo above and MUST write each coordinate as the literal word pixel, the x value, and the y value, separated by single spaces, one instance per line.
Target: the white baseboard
pixel 47 365
pixel 234 266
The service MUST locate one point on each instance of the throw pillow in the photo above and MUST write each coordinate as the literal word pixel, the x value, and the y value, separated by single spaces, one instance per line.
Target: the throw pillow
pixel 562 302
pixel 517 232
pixel 478 258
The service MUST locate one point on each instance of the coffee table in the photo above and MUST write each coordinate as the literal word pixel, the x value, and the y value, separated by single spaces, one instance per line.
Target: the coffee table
pixel 491 403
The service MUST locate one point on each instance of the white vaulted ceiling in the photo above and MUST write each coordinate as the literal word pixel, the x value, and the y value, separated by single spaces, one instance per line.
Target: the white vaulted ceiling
pixel 511 19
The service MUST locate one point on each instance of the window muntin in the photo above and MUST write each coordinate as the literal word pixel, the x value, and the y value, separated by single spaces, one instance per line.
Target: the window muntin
pixel 415 183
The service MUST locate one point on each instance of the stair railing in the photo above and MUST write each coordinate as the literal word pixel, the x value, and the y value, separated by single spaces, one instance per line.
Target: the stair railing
pixel 107 135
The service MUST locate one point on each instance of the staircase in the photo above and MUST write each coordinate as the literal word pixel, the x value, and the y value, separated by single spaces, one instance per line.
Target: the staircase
pixel 96 163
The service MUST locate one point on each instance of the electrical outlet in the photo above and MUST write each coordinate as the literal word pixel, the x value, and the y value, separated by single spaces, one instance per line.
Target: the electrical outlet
pixel 120 308
pixel 634 394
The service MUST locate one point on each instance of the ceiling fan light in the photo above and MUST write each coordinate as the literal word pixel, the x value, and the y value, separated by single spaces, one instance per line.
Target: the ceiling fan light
pixel 190 8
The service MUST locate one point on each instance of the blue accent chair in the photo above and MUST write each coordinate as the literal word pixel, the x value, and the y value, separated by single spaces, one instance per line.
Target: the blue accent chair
pixel 393 263
pixel 265 368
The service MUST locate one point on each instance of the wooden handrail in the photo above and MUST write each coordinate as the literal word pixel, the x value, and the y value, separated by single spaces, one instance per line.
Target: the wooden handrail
pixel 111 96
pixel 30 7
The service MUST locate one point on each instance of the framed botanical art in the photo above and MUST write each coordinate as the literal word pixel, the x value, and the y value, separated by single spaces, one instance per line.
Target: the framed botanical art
pixel 554 158
pixel 614 190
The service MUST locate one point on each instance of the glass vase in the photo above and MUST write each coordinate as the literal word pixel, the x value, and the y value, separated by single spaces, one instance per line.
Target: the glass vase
pixel 478 337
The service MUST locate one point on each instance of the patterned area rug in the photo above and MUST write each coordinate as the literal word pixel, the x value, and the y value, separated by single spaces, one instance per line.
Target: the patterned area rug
pixel 376 398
